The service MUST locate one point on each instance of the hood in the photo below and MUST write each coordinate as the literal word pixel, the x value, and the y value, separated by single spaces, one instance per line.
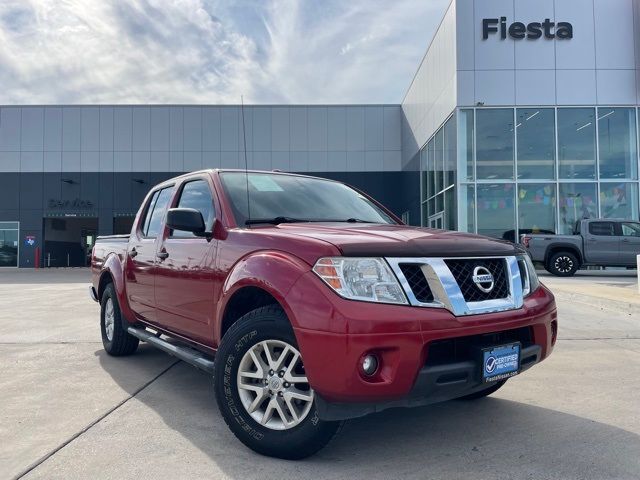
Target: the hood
pixel 362 240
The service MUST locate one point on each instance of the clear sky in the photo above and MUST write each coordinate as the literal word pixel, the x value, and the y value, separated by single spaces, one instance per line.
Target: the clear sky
pixel 210 51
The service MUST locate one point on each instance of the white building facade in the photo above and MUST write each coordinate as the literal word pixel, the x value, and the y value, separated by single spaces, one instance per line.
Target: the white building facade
pixel 523 116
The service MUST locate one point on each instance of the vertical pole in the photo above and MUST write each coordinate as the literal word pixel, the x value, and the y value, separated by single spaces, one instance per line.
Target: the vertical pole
pixel 49 260
pixel 67 259
pixel 36 259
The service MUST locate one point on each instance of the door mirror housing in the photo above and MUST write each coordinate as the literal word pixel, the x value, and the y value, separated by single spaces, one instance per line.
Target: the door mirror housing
pixel 186 220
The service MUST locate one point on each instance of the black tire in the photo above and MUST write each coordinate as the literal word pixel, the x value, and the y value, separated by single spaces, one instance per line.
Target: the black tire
pixel 563 264
pixel 301 441
pixel 486 392
pixel 121 343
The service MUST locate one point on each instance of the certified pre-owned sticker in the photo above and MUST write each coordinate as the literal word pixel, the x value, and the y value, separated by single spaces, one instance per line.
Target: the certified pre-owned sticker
pixel 501 362
pixel 490 364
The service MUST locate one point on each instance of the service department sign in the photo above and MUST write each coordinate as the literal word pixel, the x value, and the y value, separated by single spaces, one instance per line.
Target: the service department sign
pixel 532 31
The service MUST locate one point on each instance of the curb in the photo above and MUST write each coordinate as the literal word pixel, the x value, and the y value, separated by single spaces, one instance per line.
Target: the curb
pixel 621 306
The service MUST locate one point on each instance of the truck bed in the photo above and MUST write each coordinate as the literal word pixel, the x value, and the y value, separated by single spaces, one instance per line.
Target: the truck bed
pixel 109 245
pixel 540 243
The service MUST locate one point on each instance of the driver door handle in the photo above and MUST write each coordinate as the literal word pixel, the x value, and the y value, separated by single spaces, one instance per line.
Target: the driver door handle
pixel 163 255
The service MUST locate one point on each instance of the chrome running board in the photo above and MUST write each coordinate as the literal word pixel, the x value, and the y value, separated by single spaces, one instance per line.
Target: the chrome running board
pixel 185 353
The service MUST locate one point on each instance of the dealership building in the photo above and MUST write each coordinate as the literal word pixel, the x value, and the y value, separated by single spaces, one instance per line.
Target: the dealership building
pixel 522 116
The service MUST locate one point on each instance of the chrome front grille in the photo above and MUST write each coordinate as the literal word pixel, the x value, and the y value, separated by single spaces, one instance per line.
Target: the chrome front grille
pixel 417 282
pixel 462 271
pixel 460 284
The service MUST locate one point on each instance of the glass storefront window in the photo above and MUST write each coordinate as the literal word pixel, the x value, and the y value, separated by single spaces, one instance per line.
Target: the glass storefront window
pixel 431 207
pixel 536 143
pixel 450 146
pixel 9 232
pixel 450 212
pixel 536 208
pixel 439 203
pixel 576 201
pixel 577 143
pixel 467 220
pixel 496 210
pixel 466 142
pixel 425 213
pixel 431 167
pixel 617 143
pixel 424 174
pixel 439 160
pixel 619 200
pixel 495 144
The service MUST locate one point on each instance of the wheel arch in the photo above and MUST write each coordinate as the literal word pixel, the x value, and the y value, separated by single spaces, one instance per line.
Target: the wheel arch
pixel 105 279
pixel 242 301
pixel 563 247
pixel 261 279
pixel 112 272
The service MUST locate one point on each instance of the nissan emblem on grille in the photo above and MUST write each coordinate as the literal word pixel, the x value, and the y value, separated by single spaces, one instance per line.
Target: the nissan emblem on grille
pixel 483 279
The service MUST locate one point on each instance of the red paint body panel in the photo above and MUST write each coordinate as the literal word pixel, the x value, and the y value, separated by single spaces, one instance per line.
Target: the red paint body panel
pixel 399 335
pixel 187 293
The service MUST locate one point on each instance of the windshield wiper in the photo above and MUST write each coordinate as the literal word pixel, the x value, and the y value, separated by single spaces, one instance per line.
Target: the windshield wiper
pixel 275 220
pixel 279 220
pixel 357 220
pixel 348 220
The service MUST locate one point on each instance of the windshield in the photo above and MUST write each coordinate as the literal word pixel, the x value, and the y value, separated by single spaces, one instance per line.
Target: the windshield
pixel 292 198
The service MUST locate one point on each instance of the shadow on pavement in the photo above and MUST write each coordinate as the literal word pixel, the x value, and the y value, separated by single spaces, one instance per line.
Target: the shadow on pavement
pixel 489 438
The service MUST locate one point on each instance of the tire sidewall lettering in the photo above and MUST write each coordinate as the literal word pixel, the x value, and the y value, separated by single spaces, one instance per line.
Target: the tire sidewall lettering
pixel 233 408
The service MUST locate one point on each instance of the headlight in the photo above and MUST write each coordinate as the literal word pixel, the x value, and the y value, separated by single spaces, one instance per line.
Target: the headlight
pixel 530 282
pixel 365 279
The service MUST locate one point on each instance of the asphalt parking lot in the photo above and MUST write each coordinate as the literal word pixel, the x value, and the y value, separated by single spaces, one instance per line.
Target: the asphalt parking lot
pixel 70 411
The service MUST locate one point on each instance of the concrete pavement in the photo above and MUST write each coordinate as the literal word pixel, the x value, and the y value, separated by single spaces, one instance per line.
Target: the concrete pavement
pixel 78 413
pixel 599 288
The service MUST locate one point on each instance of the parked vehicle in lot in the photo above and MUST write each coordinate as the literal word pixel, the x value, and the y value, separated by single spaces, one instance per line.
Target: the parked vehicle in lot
pixel 311 303
pixel 595 242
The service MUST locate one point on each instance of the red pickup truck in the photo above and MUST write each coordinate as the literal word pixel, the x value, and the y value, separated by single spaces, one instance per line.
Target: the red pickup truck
pixel 310 303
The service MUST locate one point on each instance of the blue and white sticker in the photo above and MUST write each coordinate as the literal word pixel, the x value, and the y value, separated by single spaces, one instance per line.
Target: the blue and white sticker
pixel 501 362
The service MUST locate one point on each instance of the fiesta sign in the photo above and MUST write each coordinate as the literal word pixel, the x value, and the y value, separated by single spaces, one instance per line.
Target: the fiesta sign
pixel 532 31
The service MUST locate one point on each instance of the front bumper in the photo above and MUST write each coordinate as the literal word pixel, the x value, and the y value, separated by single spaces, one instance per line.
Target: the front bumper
pixel 434 384
pixel 334 334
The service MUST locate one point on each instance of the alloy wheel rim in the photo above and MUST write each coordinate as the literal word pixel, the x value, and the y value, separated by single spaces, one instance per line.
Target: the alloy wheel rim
pixel 273 386
pixel 564 264
pixel 109 319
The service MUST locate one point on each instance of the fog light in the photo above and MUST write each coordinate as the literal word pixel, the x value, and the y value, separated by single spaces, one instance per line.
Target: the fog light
pixel 369 365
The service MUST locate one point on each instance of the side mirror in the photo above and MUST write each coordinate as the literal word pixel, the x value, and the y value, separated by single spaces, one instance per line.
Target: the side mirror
pixel 186 220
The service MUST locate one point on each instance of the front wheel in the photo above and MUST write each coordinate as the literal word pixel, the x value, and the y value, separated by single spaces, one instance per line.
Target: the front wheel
pixel 262 388
pixel 563 264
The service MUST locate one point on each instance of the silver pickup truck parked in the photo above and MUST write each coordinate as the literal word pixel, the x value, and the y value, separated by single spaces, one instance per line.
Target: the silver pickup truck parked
pixel 598 242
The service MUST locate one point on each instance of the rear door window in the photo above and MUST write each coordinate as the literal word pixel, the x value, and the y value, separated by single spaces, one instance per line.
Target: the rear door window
pixel 602 229
pixel 155 215
pixel 147 213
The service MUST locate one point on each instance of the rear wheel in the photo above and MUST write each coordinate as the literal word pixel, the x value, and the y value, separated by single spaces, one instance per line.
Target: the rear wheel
pixel 262 389
pixel 115 339
pixel 563 264
pixel 486 392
